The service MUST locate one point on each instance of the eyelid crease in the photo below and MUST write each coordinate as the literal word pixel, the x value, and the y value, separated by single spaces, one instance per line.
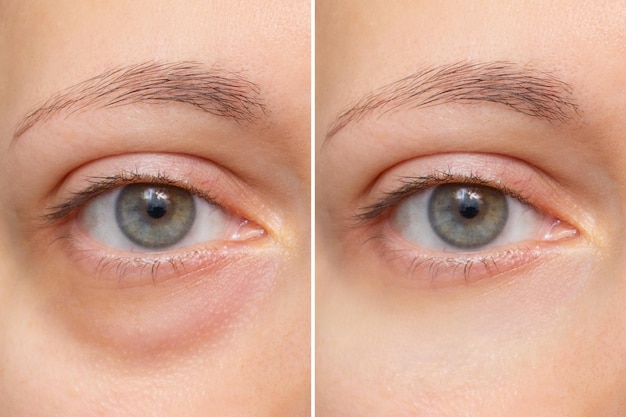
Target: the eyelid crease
pixel 413 185
pixel 100 185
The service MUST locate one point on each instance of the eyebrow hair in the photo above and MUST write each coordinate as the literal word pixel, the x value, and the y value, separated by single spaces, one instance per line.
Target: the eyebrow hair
pixel 210 89
pixel 525 90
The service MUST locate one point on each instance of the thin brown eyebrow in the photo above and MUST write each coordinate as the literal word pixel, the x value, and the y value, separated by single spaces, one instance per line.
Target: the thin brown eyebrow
pixel 523 89
pixel 210 89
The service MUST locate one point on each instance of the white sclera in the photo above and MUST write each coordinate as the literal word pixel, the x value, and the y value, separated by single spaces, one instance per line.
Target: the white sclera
pixel 411 220
pixel 98 220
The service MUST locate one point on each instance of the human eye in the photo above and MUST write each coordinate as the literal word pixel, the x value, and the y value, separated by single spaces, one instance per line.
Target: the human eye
pixel 464 222
pixel 148 225
pixel 151 214
pixel 151 226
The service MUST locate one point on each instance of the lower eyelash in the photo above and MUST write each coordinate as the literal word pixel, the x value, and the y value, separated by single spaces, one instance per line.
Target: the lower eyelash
pixel 449 271
pixel 152 269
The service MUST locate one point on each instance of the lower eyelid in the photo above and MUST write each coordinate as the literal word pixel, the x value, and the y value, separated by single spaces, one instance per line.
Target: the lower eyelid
pixel 177 300
pixel 419 267
pixel 425 269
pixel 106 267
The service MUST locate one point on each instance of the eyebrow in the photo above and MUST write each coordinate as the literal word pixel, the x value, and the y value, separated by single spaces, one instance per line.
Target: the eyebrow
pixel 210 89
pixel 522 89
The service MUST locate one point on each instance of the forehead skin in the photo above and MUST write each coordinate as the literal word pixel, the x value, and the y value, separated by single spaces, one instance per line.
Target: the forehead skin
pixel 49 46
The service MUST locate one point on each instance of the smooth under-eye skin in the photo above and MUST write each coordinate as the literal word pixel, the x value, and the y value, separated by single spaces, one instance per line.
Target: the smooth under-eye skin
pixel 193 100
pixel 524 97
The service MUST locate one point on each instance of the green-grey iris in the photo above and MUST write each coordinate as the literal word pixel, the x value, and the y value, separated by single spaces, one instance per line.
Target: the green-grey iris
pixel 154 216
pixel 467 216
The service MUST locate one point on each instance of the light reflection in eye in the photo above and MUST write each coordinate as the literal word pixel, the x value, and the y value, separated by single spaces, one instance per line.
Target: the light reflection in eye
pixel 467 216
pixel 155 216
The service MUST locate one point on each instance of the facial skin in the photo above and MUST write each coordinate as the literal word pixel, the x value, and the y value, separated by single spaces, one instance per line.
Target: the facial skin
pixel 533 326
pixel 216 326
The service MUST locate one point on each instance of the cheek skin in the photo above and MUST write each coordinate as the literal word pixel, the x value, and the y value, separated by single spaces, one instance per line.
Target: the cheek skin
pixel 165 318
pixel 246 377
pixel 535 337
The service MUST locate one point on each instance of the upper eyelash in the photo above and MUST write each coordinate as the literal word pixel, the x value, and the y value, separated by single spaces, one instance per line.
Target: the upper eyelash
pixel 413 185
pixel 100 185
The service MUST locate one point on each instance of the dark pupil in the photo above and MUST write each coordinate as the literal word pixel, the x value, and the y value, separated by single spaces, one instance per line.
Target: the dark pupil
pixel 156 207
pixel 469 206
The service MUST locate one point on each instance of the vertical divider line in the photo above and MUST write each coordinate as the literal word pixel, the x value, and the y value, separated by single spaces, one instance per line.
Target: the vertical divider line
pixel 312 208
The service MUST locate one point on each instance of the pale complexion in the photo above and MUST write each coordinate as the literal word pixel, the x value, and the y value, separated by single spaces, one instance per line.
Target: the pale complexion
pixel 531 327
pixel 217 327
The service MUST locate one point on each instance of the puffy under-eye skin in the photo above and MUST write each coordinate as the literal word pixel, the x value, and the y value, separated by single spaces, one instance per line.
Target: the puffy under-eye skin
pixel 87 218
pixel 212 267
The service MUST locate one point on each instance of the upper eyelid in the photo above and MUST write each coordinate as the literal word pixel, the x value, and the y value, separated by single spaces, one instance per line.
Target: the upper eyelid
pixel 413 185
pixel 100 185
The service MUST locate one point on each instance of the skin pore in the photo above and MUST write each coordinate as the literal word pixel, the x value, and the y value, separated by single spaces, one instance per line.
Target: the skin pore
pixel 416 94
pixel 203 96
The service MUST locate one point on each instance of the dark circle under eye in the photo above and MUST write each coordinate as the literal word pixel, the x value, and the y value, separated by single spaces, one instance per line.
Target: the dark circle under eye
pixel 154 216
pixel 467 216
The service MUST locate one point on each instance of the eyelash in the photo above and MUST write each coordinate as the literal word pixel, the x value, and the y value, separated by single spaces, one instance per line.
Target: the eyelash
pixel 101 185
pixel 122 266
pixel 414 185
